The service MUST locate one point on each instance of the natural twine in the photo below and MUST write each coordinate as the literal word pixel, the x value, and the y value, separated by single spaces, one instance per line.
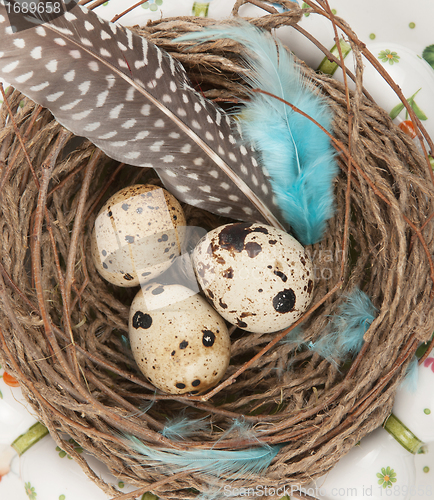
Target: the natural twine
pixel 62 324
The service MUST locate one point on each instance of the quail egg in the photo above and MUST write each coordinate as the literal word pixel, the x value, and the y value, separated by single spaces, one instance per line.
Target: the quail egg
pixel 179 342
pixel 138 233
pixel 257 277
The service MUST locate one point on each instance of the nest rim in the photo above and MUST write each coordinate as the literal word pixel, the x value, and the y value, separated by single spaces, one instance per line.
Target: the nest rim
pixel 42 370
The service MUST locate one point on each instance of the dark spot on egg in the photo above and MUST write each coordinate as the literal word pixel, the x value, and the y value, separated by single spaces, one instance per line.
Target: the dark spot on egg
pixel 183 344
pixel 272 242
pixel 104 265
pixel 164 237
pixel 194 392
pixel 110 213
pixel 125 206
pixel 157 290
pixel 303 260
pixel 180 385
pixel 208 338
pixel 270 267
pixel 211 248
pixel 128 277
pixel 284 301
pixel 309 286
pixel 104 252
pixel 253 249
pixel 222 304
pixel 139 210
pixel 175 217
pixel 146 274
pixel 210 293
pixel 195 383
pixel 260 290
pixel 151 208
pixel 129 239
pixel 281 275
pixel 166 250
pixel 173 353
pixel 228 273
pixel 142 320
pixel 232 237
pixel 246 314
pixel 220 260
pixel 241 324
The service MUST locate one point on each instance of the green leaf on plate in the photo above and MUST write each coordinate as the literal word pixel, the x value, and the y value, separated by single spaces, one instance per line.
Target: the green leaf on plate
pixel 428 55
pixel 418 112
pixel 396 110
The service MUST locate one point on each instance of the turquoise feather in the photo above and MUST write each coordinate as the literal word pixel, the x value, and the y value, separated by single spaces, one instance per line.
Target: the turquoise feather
pixel 217 463
pixel 295 336
pixel 346 329
pixel 182 427
pixel 296 153
pixel 411 379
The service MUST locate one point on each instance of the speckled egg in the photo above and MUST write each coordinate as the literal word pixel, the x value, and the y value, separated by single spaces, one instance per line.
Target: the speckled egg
pixel 257 277
pixel 138 234
pixel 180 343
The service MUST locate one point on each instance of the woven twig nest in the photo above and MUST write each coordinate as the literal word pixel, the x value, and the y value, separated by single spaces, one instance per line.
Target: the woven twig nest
pixel 62 324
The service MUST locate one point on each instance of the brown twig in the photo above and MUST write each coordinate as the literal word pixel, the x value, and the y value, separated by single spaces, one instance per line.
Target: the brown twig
pixel 151 487
pixel 118 16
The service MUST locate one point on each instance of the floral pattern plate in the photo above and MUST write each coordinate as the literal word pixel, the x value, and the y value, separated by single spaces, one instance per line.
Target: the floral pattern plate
pixel 401 36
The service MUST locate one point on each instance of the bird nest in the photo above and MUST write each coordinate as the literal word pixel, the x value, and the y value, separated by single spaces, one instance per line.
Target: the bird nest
pixel 63 327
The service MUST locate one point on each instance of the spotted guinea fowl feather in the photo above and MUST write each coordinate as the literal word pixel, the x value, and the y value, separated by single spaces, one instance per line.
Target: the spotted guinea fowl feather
pixel 135 102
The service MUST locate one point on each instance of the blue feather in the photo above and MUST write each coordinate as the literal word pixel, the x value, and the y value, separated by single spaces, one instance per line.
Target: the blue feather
pixel 182 427
pixel 216 463
pixel 232 465
pixel 411 378
pixel 295 336
pixel 346 330
pixel 295 152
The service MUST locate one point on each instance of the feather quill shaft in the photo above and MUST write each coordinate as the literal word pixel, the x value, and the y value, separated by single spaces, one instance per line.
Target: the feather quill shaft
pixel 135 102
pixel 295 153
